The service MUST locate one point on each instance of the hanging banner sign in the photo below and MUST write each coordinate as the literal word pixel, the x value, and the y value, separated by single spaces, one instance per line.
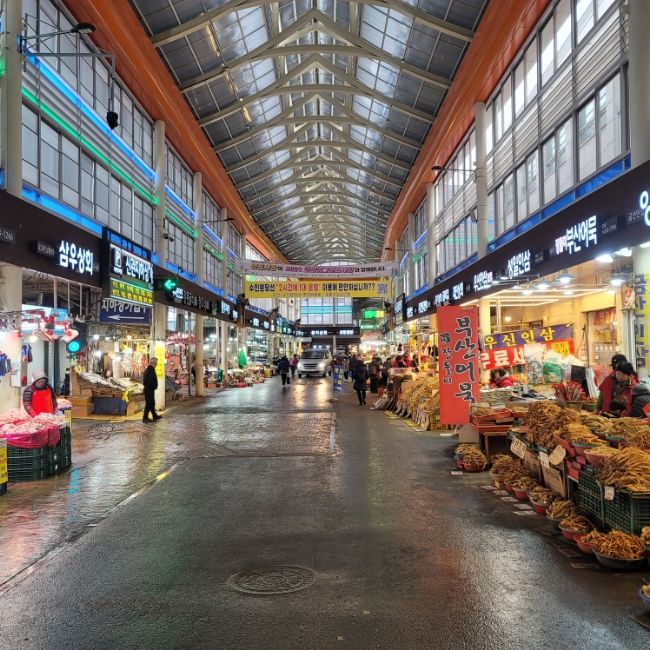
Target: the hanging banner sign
pixel 337 378
pixel 319 289
pixel 378 269
pixel 531 335
pixel 459 362
pixel 125 313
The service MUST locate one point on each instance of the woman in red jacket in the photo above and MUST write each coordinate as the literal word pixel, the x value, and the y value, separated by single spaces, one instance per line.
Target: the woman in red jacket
pixel 503 379
pixel 617 387
pixel 39 397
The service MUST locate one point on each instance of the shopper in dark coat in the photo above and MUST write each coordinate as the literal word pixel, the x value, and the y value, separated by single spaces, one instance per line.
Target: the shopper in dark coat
pixel 640 398
pixel 374 369
pixel 150 383
pixel 360 377
pixel 283 368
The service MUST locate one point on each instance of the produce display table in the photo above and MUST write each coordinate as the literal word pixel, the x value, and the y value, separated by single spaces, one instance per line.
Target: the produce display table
pixel 487 432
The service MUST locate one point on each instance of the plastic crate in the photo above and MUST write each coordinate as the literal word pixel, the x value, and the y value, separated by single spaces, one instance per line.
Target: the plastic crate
pixel 53 457
pixel 26 464
pixel 628 512
pixel 590 496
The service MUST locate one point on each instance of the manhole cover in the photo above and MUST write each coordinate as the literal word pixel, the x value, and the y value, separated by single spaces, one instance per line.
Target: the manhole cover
pixel 272 580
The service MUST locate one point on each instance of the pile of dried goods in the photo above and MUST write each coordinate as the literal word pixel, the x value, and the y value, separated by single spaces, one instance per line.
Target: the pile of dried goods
pixel 576 524
pixel 541 496
pixel 645 535
pixel 545 418
pixel 560 509
pixel 475 457
pixel 579 433
pixel 629 468
pixel 620 545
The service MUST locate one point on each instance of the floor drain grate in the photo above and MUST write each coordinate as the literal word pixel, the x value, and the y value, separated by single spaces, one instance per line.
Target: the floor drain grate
pixel 272 580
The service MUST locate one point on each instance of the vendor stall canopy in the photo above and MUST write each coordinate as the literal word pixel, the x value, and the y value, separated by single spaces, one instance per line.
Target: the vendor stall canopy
pixel 316 108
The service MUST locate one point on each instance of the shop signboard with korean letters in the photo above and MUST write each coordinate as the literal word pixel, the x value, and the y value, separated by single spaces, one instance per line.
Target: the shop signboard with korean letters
pixel 458 358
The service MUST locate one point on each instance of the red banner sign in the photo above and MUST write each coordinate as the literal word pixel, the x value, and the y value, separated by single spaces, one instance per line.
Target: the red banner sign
pixel 514 356
pixel 459 362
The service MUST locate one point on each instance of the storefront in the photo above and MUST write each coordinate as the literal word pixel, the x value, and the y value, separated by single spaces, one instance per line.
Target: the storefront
pixel 347 339
pixel 572 276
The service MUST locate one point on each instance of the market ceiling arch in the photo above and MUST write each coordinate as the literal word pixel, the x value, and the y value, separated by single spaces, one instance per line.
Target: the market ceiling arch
pixel 317 109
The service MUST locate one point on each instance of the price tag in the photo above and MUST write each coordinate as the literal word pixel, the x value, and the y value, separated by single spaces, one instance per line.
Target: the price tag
pixel 610 492
pixel 518 448
pixel 544 459
pixel 557 455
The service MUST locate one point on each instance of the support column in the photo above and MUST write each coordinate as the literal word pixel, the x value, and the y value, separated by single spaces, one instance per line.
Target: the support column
pixel 199 270
pixel 480 177
pixel 484 324
pixel 160 167
pixel 11 299
pixel 639 80
pixel 11 108
pixel 159 336
pixel 410 239
pixel 432 255
pixel 223 336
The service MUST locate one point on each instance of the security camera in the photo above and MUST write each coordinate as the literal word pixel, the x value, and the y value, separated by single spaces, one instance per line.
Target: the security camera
pixel 112 120
pixel 168 237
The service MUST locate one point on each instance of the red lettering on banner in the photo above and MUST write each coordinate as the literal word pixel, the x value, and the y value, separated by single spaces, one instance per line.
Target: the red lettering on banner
pixel 459 362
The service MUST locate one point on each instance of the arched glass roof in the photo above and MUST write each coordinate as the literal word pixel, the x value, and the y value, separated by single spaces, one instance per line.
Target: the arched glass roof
pixel 316 108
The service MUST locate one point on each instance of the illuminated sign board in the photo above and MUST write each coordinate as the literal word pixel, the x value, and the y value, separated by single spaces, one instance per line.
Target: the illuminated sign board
pixel 73 257
pixel 519 264
pixel 482 280
pixel 399 309
pixel 458 291
pixel 346 332
pixel 581 235
pixel 410 312
pixel 423 307
pixel 130 270
pixel 441 298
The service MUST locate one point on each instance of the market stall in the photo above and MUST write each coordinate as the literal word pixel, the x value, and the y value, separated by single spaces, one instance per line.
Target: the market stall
pixel 37 447
pixel 93 394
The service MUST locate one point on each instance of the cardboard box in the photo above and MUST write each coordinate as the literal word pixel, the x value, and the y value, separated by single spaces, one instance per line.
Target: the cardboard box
pixel 82 411
pixel 81 400
pixel 554 480
pixel 532 464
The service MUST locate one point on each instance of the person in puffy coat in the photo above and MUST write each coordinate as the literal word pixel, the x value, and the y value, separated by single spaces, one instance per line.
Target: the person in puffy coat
pixel 283 369
pixel 503 379
pixel 360 376
pixel 640 398
pixel 39 397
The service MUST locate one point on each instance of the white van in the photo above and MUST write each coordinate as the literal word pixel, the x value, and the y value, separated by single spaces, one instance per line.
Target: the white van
pixel 315 362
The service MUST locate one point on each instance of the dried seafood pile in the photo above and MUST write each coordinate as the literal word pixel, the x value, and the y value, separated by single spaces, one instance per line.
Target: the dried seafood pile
pixel 619 545
pixel 421 394
pixel 629 469
pixel 545 418
pixel 579 433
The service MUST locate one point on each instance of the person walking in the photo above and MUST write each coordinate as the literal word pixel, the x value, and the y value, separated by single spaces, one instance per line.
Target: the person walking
pixel 150 383
pixel 39 397
pixel 374 369
pixel 360 376
pixel 283 369
pixel 293 364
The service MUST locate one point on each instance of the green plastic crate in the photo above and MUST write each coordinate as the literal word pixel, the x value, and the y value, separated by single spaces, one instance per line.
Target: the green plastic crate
pixel 590 497
pixel 53 457
pixel 26 464
pixel 628 512
pixel 65 447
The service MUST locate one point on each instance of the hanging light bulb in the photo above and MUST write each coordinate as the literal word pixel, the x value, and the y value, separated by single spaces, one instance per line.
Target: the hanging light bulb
pixel 543 286
pixel 565 277
pixel 605 258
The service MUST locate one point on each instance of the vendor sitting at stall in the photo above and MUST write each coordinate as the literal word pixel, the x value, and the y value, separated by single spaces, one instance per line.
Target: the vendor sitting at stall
pixel 640 398
pixel 39 397
pixel 503 379
pixel 617 387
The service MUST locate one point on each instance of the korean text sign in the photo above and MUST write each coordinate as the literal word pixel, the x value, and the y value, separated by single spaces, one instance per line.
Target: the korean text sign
pixel 548 334
pixel 459 362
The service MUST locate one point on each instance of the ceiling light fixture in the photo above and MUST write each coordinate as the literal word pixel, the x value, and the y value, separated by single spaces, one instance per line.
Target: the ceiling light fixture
pixel 617 280
pixel 605 258
pixel 624 252
pixel 565 278
pixel 646 244
pixel 543 286
pixel 568 292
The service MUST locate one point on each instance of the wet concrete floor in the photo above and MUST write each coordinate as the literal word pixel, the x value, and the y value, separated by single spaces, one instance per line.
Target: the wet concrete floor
pixel 404 554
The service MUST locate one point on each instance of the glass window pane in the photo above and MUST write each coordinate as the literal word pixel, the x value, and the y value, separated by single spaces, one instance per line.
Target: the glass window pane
pixel 548 47
pixel 520 88
pixel 562 31
pixel 522 209
pixel 609 120
pixel 584 17
pixel 548 154
pixel 508 203
pixel 507 104
pixel 498 118
pixel 602 6
pixel 531 71
pixel 564 149
pixel 587 139
pixel 532 176
pixel 488 129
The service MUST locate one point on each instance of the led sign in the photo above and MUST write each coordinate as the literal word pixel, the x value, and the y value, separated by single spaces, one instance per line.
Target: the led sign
pixel 130 271
pixel 423 307
pixel 255 322
pixel 319 332
pixel 73 257
pixel 582 234
pixel 441 298
pixel 410 312
pixel 346 332
pixel 519 264
pixel 458 291
pixel 482 280
pixel 644 204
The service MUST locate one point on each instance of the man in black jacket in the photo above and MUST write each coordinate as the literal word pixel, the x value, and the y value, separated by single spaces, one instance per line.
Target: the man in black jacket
pixel 150 382
pixel 283 369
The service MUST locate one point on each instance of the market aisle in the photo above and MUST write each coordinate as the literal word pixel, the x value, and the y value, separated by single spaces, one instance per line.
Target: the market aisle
pixel 404 555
